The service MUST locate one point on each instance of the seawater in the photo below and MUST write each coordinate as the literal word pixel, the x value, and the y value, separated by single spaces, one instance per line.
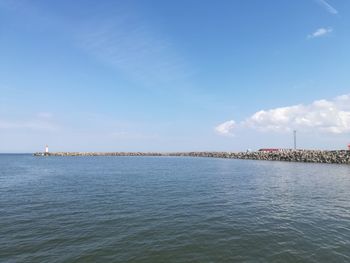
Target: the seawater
pixel 172 209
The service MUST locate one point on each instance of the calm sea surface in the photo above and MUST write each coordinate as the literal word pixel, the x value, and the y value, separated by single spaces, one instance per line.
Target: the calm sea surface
pixel 171 209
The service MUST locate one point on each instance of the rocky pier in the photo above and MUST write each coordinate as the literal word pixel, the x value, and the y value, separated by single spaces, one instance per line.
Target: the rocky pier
pixel 307 156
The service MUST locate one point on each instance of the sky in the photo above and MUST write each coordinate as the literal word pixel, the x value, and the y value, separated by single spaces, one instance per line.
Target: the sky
pixel 186 75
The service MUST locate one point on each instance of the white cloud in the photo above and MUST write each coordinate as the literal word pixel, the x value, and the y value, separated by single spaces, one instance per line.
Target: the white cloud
pixel 226 128
pixel 321 32
pixel 329 116
pixel 327 6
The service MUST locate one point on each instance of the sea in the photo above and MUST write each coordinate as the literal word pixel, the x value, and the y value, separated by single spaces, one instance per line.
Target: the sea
pixel 172 209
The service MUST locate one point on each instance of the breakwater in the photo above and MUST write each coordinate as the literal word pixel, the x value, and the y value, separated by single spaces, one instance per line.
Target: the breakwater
pixel 311 156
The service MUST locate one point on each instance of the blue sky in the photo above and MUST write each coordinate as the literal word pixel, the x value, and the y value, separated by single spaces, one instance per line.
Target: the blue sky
pixel 173 75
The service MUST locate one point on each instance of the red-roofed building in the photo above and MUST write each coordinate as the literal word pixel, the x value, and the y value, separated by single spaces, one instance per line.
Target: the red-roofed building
pixel 269 150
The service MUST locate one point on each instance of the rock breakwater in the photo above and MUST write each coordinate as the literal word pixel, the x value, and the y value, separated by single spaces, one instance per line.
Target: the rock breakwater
pixel 310 156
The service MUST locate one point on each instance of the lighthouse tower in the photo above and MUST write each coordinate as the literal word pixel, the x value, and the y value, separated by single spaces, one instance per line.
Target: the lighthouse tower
pixel 46 149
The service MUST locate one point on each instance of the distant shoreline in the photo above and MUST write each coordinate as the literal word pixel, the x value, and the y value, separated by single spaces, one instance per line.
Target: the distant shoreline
pixel 307 156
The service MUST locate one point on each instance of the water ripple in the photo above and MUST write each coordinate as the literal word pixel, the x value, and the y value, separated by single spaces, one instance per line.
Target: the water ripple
pixel 150 209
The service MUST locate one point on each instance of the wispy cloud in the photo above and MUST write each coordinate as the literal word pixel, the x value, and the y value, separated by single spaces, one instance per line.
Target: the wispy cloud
pixel 28 124
pixel 122 39
pixel 45 115
pixel 134 49
pixel 327 6
pixel 123 135
pixel 321 32
pixel 42 122
pixel 330 116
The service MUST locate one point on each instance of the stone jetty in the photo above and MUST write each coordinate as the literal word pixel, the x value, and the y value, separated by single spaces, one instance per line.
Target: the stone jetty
pixel 307 156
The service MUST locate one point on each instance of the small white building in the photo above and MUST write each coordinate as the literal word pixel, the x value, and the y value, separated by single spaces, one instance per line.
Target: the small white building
pixel 46 149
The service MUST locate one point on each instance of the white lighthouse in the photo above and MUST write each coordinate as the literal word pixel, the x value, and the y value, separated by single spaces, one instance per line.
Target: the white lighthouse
pixel 46 149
